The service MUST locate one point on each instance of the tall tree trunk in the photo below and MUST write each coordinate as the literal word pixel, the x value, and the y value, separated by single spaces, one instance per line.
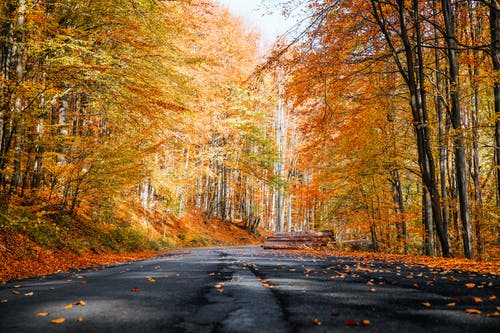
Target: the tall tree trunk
pixel 456 121
pixel 397 195
pixel 407 71
pixel 429 245
pixel 495 57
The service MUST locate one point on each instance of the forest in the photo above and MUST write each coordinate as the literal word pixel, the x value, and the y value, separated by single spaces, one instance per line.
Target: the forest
pixel 377 120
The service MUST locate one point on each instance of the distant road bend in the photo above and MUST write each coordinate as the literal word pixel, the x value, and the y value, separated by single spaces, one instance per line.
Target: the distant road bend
pixel 247 289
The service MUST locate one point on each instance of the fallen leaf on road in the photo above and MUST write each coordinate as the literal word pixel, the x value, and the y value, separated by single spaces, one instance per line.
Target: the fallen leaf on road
pixel 365 322
pixel 451 304
pixel 478 300
pixel 426 304
pixel 454 279
pixel 493 297
pixel 470 285
pixel 80 319
pixel 15 292
pixel 5 300
pixel 351 322
pixel 317 322
pixel 42 314
pixel 415 285
pixel 135 289
pixel 29 294
pixel 83 282
pixel 373 290
pixel 58 321
pixel 150 279
pixel 69 306
pixel 495 314
pixel 473 311
pixel 81 303
pixel 17 286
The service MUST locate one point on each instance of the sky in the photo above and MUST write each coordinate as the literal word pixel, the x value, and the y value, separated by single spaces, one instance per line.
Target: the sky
pixel 269 24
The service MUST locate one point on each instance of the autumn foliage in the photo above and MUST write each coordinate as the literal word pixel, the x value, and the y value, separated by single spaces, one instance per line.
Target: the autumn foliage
pixel 124 122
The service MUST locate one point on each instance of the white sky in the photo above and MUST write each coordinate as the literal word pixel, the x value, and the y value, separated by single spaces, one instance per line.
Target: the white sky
pixel 269 24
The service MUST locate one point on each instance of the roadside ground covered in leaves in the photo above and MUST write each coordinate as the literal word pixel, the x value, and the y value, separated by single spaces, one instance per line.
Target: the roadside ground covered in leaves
pixel 22 256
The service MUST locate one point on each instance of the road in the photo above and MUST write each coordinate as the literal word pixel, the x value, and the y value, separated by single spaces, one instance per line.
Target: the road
pixel 247 289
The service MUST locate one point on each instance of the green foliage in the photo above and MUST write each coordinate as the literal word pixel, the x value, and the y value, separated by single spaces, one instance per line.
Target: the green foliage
pixel 199 240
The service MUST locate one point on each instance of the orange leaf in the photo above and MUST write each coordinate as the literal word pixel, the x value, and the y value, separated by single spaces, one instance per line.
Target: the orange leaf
pixel 478 300
pixel 58 321
pixel 426 304
pixel 81 303
pixel 470 285
pixel 473 311
pixel 135 289
pixel 69 307
pixel 317 322
pixel 42 314
pixel 365 322
pixel 451 304
pixel 15 292
pixel 454 279
pixel 493 297
pixel 5 300
pixel 80 319
pixel 373 290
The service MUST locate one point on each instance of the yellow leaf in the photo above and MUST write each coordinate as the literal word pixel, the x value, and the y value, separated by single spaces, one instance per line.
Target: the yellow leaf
pixel 58 321
pixel 42 314
pixel 495 314
pixel 29 294
pixel 473 311
pixel 81 303
pixel 69 306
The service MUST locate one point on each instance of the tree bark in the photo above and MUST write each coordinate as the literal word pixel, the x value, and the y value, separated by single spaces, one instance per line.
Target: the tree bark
pixel 407 71
pixel 495 57
pixel 456 121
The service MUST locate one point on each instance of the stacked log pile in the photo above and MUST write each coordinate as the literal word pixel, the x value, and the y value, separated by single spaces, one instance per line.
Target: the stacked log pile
pixel 298 240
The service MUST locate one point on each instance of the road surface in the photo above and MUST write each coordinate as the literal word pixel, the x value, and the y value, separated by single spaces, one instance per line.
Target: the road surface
pixel 247 289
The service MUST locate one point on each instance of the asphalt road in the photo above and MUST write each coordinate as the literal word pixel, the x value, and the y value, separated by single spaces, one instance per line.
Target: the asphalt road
pixel 247 289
